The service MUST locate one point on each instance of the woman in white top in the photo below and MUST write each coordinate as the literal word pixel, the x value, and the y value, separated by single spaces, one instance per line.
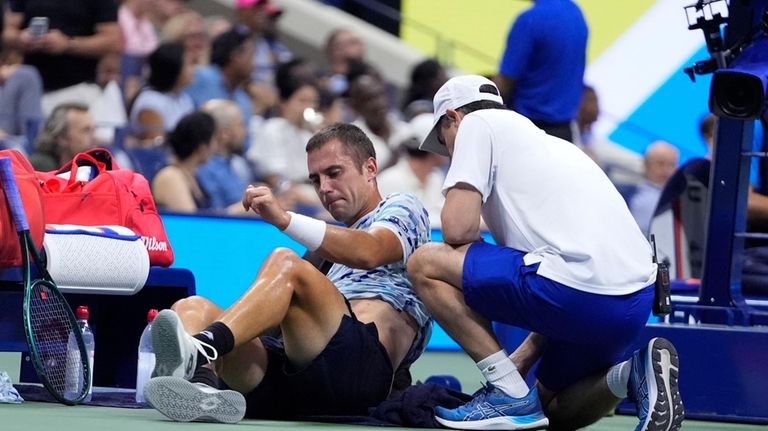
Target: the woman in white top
pixel 278 149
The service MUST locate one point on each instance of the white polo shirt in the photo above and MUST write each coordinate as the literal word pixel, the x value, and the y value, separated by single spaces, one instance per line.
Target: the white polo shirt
pixel 544 196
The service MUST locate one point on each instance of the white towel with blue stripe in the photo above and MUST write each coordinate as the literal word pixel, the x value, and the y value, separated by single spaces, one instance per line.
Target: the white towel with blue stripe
pixel 109 260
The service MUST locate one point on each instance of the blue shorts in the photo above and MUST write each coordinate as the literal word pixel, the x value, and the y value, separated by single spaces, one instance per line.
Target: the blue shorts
pixel 586 332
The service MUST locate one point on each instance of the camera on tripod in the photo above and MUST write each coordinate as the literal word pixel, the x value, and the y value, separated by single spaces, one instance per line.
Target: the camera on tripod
pixel 739 88
pixel 741 91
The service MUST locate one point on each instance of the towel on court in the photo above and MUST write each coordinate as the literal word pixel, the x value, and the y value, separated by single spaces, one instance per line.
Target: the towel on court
pixel 103 397
pixel 414 407
pixel 8 394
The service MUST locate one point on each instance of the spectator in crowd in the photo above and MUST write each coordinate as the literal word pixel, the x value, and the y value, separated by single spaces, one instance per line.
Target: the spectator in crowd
pixel 623 167
pixel 419 172
pixel 757 200
pixel 230 69
pixel 216 25
pixel 368 100
pixel 259 17
pixel 252 16
pixel 188 28
pixel 67 131
pixel 660 162
pixel 217 177
pixel 330 106
pixel 162 103
pixel 139 40
pixel 108 109
pixel 426 78
pixel 707 131
pixel 279 146
pixel 164 10
pixel 79 34
pixel 139 36
pixel 279 52
pixel 21 90
pixel 541 75
pixel 342 46
pixel 586 116
pixel 175 187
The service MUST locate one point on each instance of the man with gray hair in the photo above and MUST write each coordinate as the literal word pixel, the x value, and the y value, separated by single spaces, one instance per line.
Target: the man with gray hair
pixel 67 131
pixel 219 176
pixel 660 162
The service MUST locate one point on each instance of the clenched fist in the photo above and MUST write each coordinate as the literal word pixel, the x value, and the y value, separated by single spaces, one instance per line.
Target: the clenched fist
pixel 263 202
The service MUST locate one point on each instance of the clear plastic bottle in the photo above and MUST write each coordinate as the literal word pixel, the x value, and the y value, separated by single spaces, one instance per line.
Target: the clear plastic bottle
pixel 72 381
pixel 146 362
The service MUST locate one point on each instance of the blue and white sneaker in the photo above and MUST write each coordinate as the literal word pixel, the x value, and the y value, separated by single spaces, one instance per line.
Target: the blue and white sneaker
pixel 184 401
pixel 176 350
pixel 492 409
pixel 653 387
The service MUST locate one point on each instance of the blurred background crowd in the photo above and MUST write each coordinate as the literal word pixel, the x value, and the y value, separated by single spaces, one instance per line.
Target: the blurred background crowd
pixel 204 104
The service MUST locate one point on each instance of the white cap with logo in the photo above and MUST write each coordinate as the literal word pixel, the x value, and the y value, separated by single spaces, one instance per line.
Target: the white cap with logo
pixel 454 94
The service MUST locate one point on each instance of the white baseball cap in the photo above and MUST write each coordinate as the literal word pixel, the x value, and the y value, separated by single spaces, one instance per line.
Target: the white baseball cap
pixel 454 94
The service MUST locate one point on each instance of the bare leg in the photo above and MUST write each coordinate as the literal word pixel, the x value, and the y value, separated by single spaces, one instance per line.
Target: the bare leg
pixel 581 404
pixel 244 367
pixel 289 293
pixel 196 313
pixel 528 352
pixel 435 271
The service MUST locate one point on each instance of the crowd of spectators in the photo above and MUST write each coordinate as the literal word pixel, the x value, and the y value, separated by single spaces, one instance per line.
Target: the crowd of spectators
pixel 126 74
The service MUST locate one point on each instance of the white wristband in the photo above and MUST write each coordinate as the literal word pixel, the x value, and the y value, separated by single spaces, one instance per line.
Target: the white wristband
pixel 306 230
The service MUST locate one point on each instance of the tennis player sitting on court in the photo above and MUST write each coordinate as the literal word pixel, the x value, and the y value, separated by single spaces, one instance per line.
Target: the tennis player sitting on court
pixel 571 266
pixel 342 335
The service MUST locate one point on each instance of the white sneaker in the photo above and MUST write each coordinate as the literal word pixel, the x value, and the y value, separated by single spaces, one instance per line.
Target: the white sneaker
pixel 175 350
pixel 184 401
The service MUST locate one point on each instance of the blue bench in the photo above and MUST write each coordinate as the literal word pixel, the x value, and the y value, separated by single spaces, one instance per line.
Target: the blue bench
pixel 117 321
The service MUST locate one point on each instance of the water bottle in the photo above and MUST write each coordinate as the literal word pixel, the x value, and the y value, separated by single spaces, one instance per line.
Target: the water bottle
pixel 146 362
pixel 73 382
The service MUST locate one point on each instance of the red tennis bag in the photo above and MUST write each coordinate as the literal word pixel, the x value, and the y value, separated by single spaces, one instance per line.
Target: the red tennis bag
pixel 107 196
pixel 10 250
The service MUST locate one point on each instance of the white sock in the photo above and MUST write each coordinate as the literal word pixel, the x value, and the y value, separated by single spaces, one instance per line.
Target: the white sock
pixel 618 378
pixel 501 372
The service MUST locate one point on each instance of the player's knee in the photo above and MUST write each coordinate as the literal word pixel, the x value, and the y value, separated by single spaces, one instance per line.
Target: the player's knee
pixel 189 304
pixel 282 260
pixel 419 265
pixel 282 255
pixel 287 265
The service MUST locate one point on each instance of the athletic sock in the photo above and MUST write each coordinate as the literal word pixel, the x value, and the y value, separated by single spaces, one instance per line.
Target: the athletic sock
pixel 218 336
pixel 206 376
pixel 501 372
pixel 618 379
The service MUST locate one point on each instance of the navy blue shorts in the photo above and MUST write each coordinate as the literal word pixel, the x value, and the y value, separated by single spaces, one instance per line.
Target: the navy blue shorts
pixel 586 332
pixel 351 375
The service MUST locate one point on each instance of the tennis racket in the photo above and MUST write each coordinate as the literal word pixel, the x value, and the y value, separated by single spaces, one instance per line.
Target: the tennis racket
pixel 55 342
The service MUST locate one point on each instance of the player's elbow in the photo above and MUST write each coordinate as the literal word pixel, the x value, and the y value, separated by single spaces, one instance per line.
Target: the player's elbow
pixel 457 234
pixel 369 261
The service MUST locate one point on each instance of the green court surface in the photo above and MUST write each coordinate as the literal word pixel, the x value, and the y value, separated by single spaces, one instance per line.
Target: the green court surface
pixel 39 416
pixel 35 416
